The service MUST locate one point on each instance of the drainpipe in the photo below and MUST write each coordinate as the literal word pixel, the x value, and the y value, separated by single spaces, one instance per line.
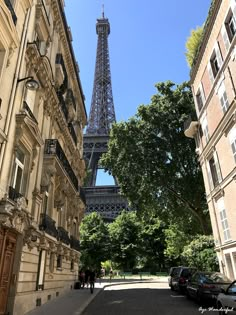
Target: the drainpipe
pixel 20 57
pixel 231 80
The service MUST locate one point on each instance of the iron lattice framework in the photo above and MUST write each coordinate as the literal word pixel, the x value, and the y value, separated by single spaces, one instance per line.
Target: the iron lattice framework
pixel 102 113
pixel 103 199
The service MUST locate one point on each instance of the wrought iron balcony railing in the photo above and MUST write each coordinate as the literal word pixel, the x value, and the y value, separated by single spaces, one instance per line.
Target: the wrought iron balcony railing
pixel 72 133
pixel 52 147
pixel 63 235
pixel 13 194
pixel 48 225
pixel 74 243
pixel 10 7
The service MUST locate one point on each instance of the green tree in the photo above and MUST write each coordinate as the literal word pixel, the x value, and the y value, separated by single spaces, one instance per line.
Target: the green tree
pixel 176 239
pixel 155 164
pixel 192 44
pixel 200 253
pixel 152 242
pixel 94 240
pixel 124 234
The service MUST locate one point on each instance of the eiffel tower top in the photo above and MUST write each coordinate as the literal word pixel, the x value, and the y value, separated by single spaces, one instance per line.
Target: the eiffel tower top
pixel 102 112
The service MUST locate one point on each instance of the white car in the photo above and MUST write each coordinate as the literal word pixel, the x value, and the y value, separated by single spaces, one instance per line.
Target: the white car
pixel 226 300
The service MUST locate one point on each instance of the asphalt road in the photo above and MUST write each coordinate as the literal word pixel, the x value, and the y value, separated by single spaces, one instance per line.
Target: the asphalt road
pixel 151 298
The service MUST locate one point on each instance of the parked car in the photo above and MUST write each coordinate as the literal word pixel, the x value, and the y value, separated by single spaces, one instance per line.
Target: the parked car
pixel 171 273
pixel 205 286
pixel 226 300
pixel 179 278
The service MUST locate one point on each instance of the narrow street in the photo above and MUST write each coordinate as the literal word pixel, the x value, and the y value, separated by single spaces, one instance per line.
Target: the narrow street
pixel 147 298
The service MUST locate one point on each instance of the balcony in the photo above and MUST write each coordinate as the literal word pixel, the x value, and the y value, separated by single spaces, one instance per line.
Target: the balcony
pixel 48 225
pixel 74 243
pixel 13 194
pixel 190 128
pixel 63 235
pixel 10 7
pixel 52 147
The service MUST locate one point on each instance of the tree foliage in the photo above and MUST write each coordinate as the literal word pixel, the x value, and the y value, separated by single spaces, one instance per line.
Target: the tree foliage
pixel 200 253
pixel 176 239
pixel 192 44
pixel 124 234
pixel 152 243
pixel 94 240
pixel 155 164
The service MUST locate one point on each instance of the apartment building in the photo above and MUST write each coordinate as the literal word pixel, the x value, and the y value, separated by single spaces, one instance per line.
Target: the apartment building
pixel 213 79
pixel 42 116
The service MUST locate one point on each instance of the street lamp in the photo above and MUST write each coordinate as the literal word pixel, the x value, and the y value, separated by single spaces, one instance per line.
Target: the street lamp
pixel 30 84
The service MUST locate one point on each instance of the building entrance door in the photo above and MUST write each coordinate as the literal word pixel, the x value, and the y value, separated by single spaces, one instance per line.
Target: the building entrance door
pixel 7 251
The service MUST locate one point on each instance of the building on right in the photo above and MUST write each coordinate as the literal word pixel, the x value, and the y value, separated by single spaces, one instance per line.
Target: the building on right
pixel 213 81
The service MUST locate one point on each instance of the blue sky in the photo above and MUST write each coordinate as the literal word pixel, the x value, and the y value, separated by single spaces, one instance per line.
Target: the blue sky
pixel 146 45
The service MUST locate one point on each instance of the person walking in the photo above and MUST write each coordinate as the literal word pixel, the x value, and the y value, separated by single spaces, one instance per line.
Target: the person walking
pixel 92 279
pixel 87 274
pixel 111 273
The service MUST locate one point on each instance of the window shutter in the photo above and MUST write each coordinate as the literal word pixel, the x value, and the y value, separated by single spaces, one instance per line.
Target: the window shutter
pixel 202 93
pixel 233 7
pixel 218 55
pixel 225 37
pixel 211 76
pixel 217 166
pixel 209 176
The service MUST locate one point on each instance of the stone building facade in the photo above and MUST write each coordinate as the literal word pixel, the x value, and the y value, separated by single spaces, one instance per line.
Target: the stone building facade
pixel 213 79
pixel 42 116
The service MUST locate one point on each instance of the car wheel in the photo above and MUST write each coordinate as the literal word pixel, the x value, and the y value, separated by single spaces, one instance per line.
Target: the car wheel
pixel 172 287
pixel 188 295
pixel 219 306
pixel 198 298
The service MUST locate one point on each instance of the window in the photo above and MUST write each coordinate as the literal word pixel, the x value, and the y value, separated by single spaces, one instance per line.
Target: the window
pixel 41 269
pixel 223 97
pixel 215 63
pixel 205 129
pixel 232 139
pixel 19 175
pixel 59 262
pixel 214 172
pixel 200 97
pixel 223 218
pixel 230 25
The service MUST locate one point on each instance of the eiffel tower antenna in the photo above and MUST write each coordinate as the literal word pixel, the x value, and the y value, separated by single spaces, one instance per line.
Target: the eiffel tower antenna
pixel 103 11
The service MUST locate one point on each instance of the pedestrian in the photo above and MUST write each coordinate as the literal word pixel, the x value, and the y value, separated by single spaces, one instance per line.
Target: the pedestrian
pixel 82 278
pixel 92 279
pixel 111 273
pixel 87 273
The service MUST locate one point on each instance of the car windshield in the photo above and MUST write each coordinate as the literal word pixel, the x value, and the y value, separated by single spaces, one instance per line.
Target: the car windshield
pixel 215 277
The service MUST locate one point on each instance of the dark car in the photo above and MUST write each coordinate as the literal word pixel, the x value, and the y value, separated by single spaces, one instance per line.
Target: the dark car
pixel 205 286
pixel 178 280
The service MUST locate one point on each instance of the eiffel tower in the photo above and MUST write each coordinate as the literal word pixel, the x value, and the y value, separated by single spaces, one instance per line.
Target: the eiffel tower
pixel 105 200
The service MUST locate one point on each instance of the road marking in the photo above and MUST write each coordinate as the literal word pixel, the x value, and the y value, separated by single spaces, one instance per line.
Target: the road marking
pixel 174 296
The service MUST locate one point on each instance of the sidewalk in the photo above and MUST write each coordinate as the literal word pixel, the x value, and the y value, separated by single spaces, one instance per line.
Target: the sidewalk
pixel 76 301
pixel 72 303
